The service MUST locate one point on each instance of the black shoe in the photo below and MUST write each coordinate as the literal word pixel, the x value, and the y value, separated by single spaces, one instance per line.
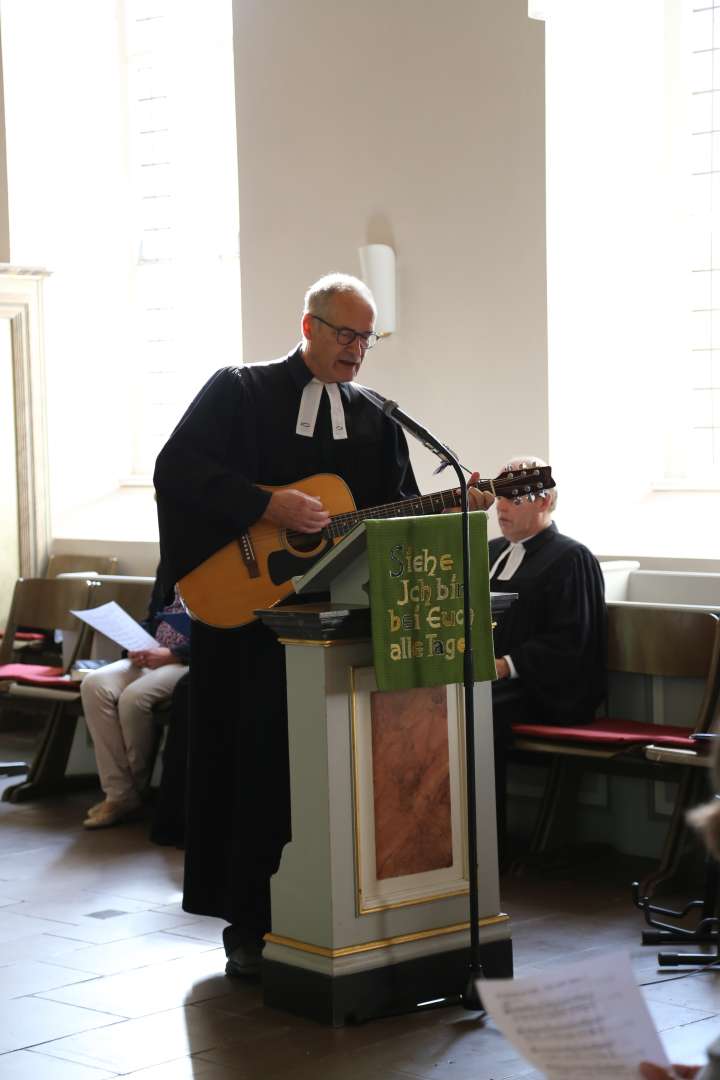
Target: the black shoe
pixel 244 960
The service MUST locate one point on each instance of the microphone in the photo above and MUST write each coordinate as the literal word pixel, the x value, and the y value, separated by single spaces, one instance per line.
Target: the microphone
pixel 392 410
pixel 411 425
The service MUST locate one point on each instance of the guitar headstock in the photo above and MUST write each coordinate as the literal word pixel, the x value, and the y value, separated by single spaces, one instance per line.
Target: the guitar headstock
pixel 531 482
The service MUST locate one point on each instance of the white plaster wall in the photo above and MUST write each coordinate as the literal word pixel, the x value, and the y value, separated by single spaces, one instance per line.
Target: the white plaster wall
pixel 618 289
pixel 66 160
pixel 420 125
pixel 4 222
pixel 9 537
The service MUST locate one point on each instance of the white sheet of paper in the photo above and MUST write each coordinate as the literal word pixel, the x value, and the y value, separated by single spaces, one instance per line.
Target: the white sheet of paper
pixel 116 624
pixel 579 1020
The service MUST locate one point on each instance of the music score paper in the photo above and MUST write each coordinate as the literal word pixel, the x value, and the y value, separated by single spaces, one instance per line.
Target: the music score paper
pixel 116 624
pixel 577 1021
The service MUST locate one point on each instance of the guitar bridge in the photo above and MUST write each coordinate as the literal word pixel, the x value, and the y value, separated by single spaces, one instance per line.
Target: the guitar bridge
pixel 248 555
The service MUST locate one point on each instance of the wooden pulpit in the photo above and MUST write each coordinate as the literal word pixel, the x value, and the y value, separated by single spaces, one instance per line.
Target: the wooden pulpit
pixel 370 903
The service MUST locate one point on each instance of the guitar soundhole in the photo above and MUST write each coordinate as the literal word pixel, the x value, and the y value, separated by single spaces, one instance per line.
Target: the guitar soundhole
pixel 304 543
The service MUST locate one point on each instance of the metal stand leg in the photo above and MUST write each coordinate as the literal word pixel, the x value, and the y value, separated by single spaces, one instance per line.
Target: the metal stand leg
pixel 706 931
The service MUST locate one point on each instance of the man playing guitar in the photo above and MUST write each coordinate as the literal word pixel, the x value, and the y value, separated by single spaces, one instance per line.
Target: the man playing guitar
pixel 249 429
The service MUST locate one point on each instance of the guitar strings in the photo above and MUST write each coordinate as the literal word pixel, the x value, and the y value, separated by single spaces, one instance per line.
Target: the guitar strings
pixel 342 523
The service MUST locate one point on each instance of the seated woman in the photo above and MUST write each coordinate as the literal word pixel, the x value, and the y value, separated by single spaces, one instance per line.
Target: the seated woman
pixel 117 702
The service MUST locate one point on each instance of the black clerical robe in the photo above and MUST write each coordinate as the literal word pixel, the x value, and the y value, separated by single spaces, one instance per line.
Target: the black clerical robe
pixel 238 432
pixel 555 632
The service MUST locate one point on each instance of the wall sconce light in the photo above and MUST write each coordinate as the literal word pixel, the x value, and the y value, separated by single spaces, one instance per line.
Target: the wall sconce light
pixel 377 262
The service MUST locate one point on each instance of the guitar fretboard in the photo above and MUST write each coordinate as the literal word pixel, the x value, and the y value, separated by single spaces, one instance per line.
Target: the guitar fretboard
pixel 510 484
pixel 422 504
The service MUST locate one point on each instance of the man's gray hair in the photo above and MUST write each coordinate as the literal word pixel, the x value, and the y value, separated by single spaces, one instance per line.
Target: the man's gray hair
pixel 319 295
pixel 527 461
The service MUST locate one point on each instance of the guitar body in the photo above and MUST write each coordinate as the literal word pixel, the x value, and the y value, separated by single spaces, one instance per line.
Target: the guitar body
pixel 227 589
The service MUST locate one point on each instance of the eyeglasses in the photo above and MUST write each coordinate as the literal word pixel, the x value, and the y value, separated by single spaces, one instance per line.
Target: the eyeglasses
pixel 346 336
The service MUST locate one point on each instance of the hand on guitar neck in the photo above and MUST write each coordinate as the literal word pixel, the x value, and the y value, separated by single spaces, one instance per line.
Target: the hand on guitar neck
pixel 477 500
pixel 292 509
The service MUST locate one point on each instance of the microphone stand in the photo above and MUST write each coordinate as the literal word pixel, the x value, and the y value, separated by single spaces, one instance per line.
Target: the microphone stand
pixel 469 996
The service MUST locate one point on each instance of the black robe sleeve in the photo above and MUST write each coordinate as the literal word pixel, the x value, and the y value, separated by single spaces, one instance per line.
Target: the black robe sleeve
pixel 204 496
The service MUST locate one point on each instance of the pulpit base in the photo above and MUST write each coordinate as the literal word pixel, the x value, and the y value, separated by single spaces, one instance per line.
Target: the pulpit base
pixel 381 991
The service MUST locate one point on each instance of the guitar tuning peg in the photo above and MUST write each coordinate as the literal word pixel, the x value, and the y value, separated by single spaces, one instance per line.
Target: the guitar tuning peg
pixel 517 500
pixel 531 497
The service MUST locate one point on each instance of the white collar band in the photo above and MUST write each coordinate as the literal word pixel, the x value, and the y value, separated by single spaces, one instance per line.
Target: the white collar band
pixel 310 404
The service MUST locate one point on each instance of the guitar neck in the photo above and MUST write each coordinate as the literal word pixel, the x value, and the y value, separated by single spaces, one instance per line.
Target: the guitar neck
pixel 525 480
pixel 421 504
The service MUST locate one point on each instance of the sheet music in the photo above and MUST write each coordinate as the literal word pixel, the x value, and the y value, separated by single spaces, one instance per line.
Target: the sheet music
pixel 115 623
pixel 576 1021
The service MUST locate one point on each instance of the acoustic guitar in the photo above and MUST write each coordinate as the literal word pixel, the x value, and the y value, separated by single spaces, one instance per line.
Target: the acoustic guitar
pixel 256 570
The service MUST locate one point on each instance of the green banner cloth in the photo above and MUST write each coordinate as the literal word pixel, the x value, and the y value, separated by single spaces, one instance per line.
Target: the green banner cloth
pixel 416 600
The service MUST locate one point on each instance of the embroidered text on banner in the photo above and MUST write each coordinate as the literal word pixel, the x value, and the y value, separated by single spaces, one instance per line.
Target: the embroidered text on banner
pixel 416 600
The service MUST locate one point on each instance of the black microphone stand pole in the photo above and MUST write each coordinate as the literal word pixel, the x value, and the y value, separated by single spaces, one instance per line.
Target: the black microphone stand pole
pixel 469 996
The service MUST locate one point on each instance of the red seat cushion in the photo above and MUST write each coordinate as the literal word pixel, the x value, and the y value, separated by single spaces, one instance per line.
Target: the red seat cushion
pixel 25 635
pixel 619 732
pixel 37 675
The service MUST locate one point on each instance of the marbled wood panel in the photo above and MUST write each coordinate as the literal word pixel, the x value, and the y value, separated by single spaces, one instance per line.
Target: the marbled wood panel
pixel 411 776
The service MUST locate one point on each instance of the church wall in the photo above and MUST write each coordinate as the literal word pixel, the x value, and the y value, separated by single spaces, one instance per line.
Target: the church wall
pixel 420 126
pixel 4 217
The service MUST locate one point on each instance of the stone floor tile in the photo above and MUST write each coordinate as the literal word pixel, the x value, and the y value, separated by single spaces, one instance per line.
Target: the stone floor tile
pixel 31 1065
pixel 34 977
pixel 209 930
pixel 14 926
pixel 153 989
pixel 109 928
pixel 686 1045
pixel 133 953
pixel 700 989
pixel 74 906
pixel 39 947
pixel 31 1022
pixel 151 1040
pixel 666 1016
pixel 189 1068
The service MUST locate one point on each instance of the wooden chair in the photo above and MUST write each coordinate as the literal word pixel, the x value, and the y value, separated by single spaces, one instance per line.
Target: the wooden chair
pixel 645 640
pixel 45 603
pixel 86 564
pixel 27 641
pixel 47 774
pixel 706 930
pixel 131 593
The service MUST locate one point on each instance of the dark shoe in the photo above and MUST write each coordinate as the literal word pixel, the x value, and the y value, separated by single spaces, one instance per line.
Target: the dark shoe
pixel 244 960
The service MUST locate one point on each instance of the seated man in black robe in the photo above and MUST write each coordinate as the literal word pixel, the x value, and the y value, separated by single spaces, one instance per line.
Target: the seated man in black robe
pixel 551 643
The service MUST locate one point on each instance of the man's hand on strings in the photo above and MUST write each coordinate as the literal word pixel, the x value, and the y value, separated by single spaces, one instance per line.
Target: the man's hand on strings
pixel 292 509
pixel 477 500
